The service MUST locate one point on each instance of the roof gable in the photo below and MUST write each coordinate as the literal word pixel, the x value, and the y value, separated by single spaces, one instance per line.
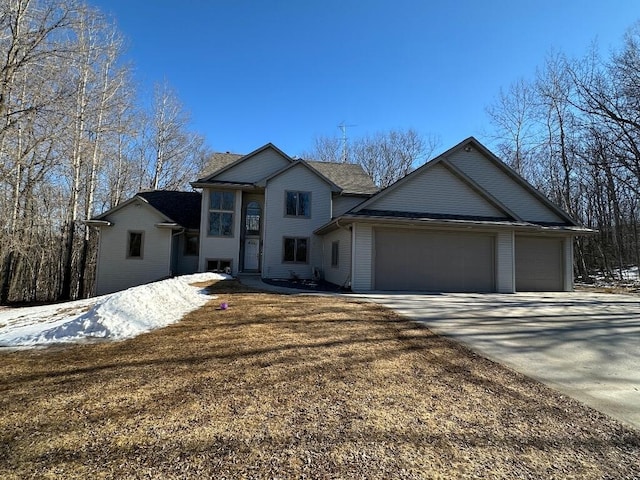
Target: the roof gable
pixel 182 208
pixel 463 175
pixel 304 164
pixel 438 191
pixel 252 167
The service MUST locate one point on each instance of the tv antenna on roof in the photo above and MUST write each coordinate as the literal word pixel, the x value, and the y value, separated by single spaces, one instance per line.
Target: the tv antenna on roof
pixel 342 126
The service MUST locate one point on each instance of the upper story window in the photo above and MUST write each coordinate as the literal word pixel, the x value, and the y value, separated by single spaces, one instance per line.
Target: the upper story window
pixel 221 207
pixel 298 204
pixel 252 219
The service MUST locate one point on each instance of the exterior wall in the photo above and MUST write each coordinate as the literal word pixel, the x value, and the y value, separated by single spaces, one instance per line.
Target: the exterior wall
pixel 342 204
pixel 568 264
pixel 116 271
pixel 277 225
pixel 255 168
pixel 340 275
pixel 224 248
pixel 362 258
pixel 505 262
pixel 436 190
pixel 503 187
pixel 184 264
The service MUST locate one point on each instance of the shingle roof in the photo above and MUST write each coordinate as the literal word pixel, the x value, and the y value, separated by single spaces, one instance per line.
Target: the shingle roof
pixel 350 177
pixel 181 207
pixel 218 161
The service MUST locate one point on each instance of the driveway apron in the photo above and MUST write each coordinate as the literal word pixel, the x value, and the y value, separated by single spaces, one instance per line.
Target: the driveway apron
pixel 585 345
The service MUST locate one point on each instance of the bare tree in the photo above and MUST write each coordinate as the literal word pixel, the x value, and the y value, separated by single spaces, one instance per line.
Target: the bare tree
pixel 385 156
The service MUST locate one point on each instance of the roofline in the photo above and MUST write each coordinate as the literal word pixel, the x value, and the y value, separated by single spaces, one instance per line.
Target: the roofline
pixel 242 159
pixel 98 223
pixel 295 163
pixel 442 158
pixel 348 219
pixel 129 202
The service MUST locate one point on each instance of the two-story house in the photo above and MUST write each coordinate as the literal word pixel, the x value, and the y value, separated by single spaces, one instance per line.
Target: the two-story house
pixel 462 222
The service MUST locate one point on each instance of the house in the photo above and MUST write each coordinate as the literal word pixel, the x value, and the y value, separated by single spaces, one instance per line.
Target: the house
pixel 151 236
pixel 463 222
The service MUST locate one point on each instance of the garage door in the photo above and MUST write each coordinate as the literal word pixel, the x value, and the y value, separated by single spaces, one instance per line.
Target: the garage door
pixel 539 264
pixel 439 262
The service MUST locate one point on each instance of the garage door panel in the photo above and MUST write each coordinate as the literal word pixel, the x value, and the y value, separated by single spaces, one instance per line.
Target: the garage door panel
pixel 539 264
pixel 428 261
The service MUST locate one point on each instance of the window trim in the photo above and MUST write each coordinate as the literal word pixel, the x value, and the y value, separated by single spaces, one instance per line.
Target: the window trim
pixel 218 260
pixel 295 250
pixel 335 254
pixel 128 252
pixel 220 211
pixel 297 192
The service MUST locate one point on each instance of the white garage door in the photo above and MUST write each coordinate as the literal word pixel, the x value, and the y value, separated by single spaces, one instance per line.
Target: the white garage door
pixel 539 264
pixel 438 262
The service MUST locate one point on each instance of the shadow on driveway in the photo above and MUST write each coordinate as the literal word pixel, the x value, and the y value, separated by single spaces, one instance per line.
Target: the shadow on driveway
pixel 586 345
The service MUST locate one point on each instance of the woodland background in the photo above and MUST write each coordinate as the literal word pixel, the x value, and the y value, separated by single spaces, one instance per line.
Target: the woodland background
pixel 77 137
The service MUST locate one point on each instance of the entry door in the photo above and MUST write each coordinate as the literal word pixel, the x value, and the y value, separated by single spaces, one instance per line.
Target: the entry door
pixel 251 254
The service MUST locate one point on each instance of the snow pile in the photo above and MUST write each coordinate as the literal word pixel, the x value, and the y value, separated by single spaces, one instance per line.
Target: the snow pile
pixel 116 316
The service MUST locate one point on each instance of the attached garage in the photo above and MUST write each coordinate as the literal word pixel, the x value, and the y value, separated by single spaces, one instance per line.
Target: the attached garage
pixel 424 260
pixel 539 264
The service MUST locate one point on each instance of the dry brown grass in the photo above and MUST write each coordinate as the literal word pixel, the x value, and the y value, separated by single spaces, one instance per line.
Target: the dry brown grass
pixel 293 387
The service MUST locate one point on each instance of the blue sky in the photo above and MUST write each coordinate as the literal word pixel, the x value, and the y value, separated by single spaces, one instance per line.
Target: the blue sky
pixel 252 72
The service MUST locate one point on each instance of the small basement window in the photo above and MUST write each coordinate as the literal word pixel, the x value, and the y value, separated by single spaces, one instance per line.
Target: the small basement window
pixel 219 265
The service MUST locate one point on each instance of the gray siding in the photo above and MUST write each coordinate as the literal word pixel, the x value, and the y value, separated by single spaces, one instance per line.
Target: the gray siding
pixel 362 258
pixel 503 187
pixel 185 264
pixel 116 271
pixel 437 190
pixel 225 248
pixel 344 204
pixel 255 168
pixel 505 262
pixel 340 275
pixel 277 226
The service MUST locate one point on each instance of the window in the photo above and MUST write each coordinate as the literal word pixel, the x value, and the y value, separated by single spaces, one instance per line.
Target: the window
pixel 298 204
pixel 335 253
pixel 191 244
pixel 221 213
pixel 134 244
pixel 252 219
pixel 219 265
pixel 296 250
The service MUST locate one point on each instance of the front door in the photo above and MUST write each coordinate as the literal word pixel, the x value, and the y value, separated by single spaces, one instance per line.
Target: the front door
pixel 251 254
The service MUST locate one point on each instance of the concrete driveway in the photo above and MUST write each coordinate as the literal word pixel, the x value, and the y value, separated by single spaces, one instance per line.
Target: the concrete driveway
pixel 584 345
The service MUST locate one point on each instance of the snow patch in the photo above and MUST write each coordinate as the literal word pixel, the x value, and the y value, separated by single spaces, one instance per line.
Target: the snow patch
pixel 115 316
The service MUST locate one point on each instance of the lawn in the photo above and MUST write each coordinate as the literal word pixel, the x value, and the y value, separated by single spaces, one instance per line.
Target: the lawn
pixel 281 386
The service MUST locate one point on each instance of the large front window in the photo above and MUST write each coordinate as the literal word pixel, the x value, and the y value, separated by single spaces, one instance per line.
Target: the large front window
pixel 221 213
pixel 296 250
pixel 298 204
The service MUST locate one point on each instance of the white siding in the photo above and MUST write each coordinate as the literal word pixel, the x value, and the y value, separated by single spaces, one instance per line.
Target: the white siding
pixel 436 190
pixel 362 255
pixel 340 275
pixel 505 262
pixel 503 187
pixel 225 248
pixel 278 226
pixel 116 271
pixel 344 204
pixel 255 168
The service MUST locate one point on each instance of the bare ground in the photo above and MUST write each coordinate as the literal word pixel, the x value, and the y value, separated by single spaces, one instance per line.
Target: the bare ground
pixel 293 387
